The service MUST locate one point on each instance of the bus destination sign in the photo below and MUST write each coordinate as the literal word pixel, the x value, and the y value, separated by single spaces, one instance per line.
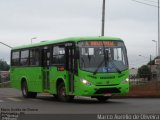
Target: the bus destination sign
pixel 101 43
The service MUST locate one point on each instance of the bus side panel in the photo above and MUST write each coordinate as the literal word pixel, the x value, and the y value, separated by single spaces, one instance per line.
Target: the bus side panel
pixel 15 78
pixel 35 79
pixel 54 76
pixel 33 76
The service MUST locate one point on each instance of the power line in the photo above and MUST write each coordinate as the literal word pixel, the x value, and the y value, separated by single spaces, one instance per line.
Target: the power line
pixel 158 19
pixel 6 44
pixel 151 1
pixel 145 3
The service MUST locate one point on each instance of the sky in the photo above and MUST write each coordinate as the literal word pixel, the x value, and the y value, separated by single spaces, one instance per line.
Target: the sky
pixel 135 23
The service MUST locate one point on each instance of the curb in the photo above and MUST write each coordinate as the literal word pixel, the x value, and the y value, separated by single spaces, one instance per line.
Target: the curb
pixel 136 96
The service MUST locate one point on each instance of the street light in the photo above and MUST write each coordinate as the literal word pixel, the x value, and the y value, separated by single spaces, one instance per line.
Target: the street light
pixel 146 57
pixel 6 45
pixel 149 60
pixel 33 38
pixel 156 45
pixel 142 56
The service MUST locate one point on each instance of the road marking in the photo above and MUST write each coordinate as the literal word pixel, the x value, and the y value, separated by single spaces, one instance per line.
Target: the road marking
pixel 1 101
pixel 14 99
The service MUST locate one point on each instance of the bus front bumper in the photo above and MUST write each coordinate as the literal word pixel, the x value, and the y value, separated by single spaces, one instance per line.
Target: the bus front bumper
pixel 102 90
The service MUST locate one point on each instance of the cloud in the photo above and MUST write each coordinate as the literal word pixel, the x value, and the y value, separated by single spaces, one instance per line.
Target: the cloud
pixel 52 19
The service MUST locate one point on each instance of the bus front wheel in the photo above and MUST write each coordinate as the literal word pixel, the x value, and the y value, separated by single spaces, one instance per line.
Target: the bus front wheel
pixel 25 92
pixel 62 96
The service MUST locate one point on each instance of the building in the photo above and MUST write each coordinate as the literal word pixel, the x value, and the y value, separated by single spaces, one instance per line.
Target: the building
pixel 133 73
pixel 4 76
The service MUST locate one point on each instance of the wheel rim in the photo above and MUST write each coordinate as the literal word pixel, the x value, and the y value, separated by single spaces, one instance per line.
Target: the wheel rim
pixel 24 90
pixel 62 92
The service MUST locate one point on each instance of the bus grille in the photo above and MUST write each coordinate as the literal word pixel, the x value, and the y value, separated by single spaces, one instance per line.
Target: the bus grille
pixel 107 90
pixel 108 85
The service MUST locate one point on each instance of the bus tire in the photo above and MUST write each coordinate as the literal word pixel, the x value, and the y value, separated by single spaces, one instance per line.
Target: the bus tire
pixel 102 98
pixel 33 94
pixel 25 92
pixel 61 93
pixel 55 96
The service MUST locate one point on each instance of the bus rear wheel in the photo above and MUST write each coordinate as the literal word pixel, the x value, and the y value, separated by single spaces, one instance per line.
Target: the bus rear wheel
pixel 102 98
pixel 62 93
pixel 25 92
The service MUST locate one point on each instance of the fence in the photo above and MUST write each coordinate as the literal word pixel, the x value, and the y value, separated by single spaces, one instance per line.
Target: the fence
pixel 4 82
pixel 145 87
pixel 144 78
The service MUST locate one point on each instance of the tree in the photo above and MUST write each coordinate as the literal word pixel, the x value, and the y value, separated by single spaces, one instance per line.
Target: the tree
pixel 3 65
pixel 152 62
pixel 144 72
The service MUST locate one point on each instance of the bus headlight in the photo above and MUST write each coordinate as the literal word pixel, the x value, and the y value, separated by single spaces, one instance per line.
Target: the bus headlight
pixel 125 81
pixel 85 82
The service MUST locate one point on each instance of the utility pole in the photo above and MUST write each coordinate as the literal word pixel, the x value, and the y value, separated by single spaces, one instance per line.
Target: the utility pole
pixel 151 65
pixel 103 18
pixel 158 67
pixel 158 32
pixel 156 46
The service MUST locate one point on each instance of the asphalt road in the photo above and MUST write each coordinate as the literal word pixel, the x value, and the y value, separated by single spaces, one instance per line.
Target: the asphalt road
pixel 12 100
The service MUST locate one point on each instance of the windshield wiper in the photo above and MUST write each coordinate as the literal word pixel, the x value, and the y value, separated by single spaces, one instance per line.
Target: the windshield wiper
pixel 106 58
pixel 83 61
pixel 98 67
pixel 114 65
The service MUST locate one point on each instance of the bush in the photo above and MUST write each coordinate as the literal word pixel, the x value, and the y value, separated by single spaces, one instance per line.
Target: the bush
pixel 144 72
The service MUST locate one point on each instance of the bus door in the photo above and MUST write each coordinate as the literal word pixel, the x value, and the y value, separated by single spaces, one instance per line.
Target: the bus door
pixel 46 53
pixel 70 65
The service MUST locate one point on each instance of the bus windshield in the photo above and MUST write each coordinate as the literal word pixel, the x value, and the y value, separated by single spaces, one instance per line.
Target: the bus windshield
pixel 103 56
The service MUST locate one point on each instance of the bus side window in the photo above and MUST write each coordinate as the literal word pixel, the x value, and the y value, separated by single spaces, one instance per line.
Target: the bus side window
pixel 24 59
pixel 34 57
pixel 15 58
pixel 55 55
pixel 62 55
pixel 58 55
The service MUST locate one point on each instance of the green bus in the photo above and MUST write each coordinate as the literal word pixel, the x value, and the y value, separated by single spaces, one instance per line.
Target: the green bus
pixel 78 66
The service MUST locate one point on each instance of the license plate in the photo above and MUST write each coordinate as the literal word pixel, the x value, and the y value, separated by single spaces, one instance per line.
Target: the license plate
pixel 108 94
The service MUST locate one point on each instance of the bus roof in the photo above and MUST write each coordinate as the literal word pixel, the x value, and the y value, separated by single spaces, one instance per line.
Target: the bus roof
pixel 70 39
